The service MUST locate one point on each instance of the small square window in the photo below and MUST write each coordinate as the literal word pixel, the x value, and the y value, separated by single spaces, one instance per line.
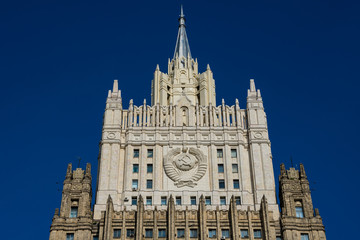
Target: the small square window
pixel 207 200
pixel 73 212
pixel 193 233
pixel 236 184
pixel 233 153
pixel 149 168
pixel 304 236
pixel 299 212
pixel 162 233
pixel 244 233
pixel 180 233
pixel 257 233
pixel 130 233
pixel 117 233
pixel 148 233
pixel 219 153
pixel 235 168
pixel 135 184
pixel 136 153
pixel 95 237
pixel 69 236
pixel 135 168
pixel 238 200
pixel 163 200
pixel 150 153
pixel 178 200
pixel 222 200
pixel 221 183
pixel 193 200
pixel 221 168
pixel 225 233
pixel 278 238
pixel 149 184
pixel 148 200
pixel 134 201
pixel 212 233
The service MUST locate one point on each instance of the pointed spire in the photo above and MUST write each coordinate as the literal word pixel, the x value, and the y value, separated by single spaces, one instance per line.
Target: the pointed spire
pixel 115 86
pixel 182 48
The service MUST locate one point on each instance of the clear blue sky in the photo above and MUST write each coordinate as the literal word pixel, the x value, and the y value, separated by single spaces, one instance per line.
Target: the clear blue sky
pixel 59 58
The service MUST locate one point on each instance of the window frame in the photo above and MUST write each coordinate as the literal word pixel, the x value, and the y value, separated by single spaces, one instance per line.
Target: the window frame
pixel 222 233
pixel 136 153
pixel 117 230
pixel 222 200
pixel 134 198
pixel 136 166
pixel 221 183
pixel 149 230
pixel 161 200
pixel 244 231
pixel 257 231
pixel 234 168
pixel 150 167
pixel 129 232
pixel 74 214
pixel 219 153
pixel 193 198
pixel 70 236
pixel 210 230
pixel 221 168
pixel 183 233
pixel 149 184
pixel 133 185
pixel 232 151
pixel 148 152
pixel 162 230
pixel 192 230
pixel 177 199
pixel 148 200
pixel 236 182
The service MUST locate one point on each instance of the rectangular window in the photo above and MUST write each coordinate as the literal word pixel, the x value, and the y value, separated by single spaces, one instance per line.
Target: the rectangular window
pixel 148 233
pixel 244 233
pixel 136 153
pixel 150 153
pixel 278 238
pixel 238 200
pixel 304 236
pixel 135 168
pixel 225 233
pixel 178 200
pixel 163 201
pixel 148 200
pixel 193 233
pixel 149 184
pixel 135 184
pixel 207 200
pixel 69 236
pixel 233 153
pixel 95 237
pixel 236 184
pixel 130 233
pixel 73 212
pixel 299 212
pixel 220 168
pixel 134 201
pixel 219 153
pixel 212 233
pixel 193 200
pixel 180 233
pixel 257 233
pixel 162 233
pixel 117 233
pixel 235 168
pixel 222 200
pixel 149 168
pixel 221 183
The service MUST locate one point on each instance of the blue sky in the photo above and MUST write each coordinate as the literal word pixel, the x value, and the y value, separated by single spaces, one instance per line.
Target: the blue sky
pixel 59 58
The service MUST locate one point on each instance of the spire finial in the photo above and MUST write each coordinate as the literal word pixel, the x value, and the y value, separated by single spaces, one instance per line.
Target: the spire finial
pixel 182 48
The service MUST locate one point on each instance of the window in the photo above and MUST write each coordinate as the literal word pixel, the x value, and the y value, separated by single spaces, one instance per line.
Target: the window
pixel 136 153
pixel 149 168
pixel 69 236
pixel 180 233
pixel 148 200
pixel 133 200
pixel 238 200
pixel 193 200
pixel 212 233
pixel 257 233
pixel 150 153
pixel 236 184
pixel 162 233
pixel 304 236
pixel 207 200
pixel 135 184
pixel 149 184
pixel 178 200
pixel 220 168
pixel 221 183
pixel 130 233
pixel 219 153
pixel 117 233
pixel 135 168
pixel 193 233
pixel 222 200
pixel 95 237
pixel 235 168
pixel 73 212
pixel 299 212
pixel 225 233
pixel 148 233
pixel 278 238
pixel 233 153
pixel 163 200
pixel 244 233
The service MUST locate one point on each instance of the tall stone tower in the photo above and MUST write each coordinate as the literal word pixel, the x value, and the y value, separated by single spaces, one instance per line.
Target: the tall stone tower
pixel 184 167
